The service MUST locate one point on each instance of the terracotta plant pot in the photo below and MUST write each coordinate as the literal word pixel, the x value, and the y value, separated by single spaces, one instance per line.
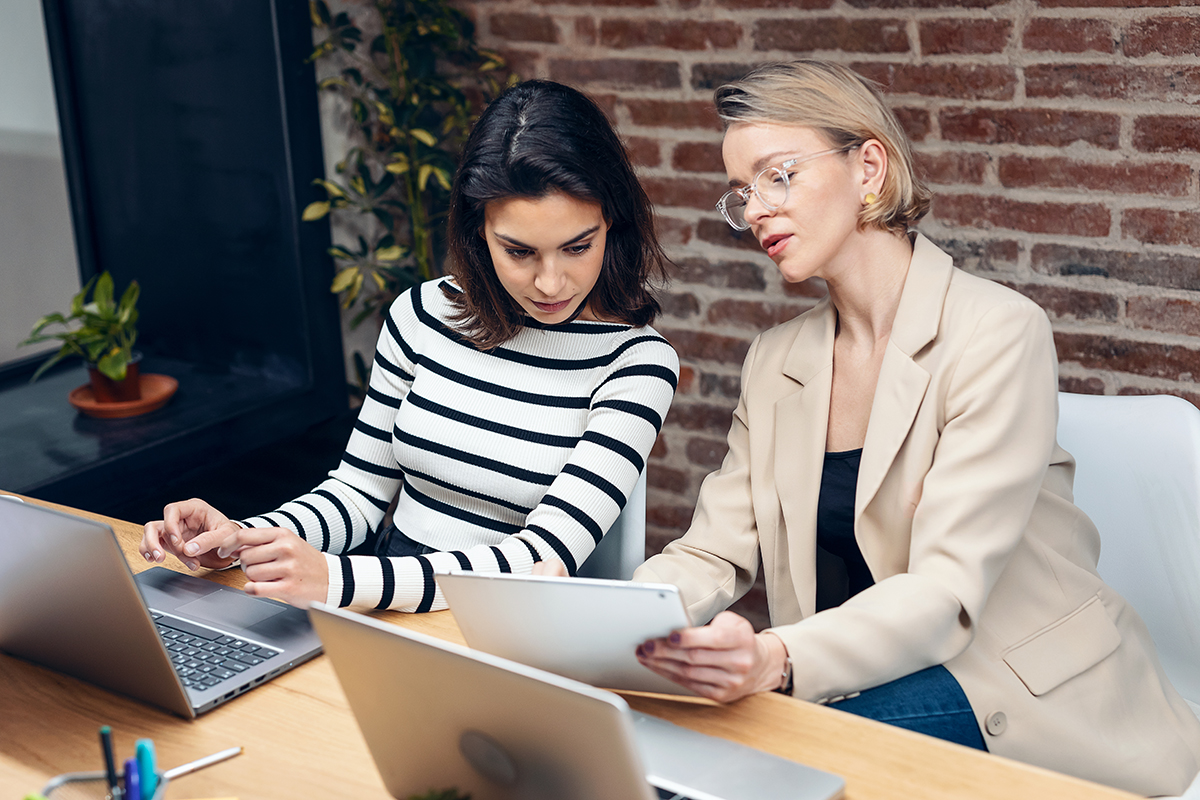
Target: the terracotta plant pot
pixel 106 390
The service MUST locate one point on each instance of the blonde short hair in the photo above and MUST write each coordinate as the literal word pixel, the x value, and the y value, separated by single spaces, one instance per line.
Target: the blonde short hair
pixel 848 110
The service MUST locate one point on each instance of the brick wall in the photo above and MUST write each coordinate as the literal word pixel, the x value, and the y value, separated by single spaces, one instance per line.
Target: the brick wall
pixel 1061 138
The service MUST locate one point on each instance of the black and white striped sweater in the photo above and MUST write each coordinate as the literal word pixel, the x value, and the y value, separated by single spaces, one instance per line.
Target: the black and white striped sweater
pixel 502 457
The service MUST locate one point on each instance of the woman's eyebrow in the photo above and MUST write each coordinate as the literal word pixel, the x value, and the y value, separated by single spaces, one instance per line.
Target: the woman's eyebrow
pixel 568 243
pixel 761 164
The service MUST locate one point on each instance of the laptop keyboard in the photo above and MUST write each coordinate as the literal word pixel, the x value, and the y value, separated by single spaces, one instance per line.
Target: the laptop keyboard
pixel 203 658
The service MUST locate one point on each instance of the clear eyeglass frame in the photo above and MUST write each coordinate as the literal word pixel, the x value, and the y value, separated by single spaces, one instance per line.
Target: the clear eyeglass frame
pixel 766 186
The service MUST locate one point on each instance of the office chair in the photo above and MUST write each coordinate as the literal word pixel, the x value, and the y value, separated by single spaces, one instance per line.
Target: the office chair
pixel 1138 478
pixel 623 548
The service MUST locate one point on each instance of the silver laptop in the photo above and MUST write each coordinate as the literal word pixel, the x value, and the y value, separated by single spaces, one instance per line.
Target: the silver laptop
pixel 437 716
pixel 68 601
pixel 581 628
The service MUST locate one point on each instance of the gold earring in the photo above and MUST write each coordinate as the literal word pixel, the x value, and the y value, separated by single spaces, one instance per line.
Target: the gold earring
pixel 870 198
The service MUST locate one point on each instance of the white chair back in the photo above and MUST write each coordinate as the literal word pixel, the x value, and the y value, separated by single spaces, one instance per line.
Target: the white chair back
pixel 1138 478
pixel 623 548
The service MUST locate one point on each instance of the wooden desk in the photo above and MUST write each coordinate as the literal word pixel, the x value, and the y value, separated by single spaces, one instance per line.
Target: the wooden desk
pixel 301 740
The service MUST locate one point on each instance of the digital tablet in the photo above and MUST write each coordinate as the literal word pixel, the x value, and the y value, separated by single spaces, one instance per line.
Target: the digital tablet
pixel 581 628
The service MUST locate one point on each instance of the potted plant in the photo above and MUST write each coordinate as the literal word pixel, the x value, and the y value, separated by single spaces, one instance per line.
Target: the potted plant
pixel 104 338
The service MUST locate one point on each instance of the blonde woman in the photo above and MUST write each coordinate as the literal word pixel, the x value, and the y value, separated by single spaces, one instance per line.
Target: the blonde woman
pixel 906 424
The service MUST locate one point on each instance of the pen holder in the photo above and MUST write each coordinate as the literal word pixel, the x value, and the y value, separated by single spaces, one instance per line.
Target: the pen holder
pixel 92 786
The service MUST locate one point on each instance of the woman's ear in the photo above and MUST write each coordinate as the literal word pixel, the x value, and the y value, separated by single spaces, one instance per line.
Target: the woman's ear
pixel 874 160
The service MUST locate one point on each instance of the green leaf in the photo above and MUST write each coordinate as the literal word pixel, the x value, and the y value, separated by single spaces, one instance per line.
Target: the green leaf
pixel 344 279
pixel 337 251
pixel 393 253
pixel 319 13
pixel 423 136
pixel 329 186
pixel 443 177
pixel 103 296
pixel 423 176
pixel 113 363
pixel 315 211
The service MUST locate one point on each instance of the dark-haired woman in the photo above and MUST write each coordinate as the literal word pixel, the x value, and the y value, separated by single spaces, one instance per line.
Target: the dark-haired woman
pixel 511 405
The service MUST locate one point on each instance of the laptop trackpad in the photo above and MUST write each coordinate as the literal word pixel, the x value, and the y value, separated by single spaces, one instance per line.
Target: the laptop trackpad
pixel 230 608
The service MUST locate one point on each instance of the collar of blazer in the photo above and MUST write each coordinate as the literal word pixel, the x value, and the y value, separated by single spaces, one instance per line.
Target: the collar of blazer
pixel 802 417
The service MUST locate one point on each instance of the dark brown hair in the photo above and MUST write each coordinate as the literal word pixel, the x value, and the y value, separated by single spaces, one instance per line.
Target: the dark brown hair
pixel 537 138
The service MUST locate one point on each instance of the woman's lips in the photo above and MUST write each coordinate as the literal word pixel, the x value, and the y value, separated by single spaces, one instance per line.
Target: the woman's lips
pixel 774 244
pixel 551 308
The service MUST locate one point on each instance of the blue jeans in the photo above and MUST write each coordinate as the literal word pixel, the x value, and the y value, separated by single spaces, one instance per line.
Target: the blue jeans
pixel 929 702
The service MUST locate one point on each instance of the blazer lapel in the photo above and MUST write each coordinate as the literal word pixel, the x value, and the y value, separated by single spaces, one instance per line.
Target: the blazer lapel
pixel 902 382
pixel 801 420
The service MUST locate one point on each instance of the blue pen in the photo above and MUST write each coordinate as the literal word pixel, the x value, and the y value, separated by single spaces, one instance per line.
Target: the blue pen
pixel 147 769
pixel 133 790
pixel 110 767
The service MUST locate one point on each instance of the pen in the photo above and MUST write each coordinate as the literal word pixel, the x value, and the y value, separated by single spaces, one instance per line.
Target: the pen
pixel 133 790
pixel 110 769
pixel 147 769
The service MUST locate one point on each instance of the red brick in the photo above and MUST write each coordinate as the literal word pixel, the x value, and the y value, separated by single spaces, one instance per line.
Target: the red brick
pixel 667 479
pixel 585 30
pixel 1167 314
pixel 521 62
pixel 1113 82
pixel 524 28
pixel 715 230
pixel 723 274
pixel 607 102
pixel 640 3
pixel 949 168
pixel 1160 226
pixel 1062 302
pixel 1080 385
pixel 1168 36
pixel 1162 178
pixel 1166 134
pixel 832 33
pixel 644 151
pixel 1172 362
pixel 813 288
pixel 1068 35
pixel 673 114
pixel 1168 270
pixel 679 304
pixel 1114 3
pixel 960 81
pixel 707 452
pixel 698 157
pixel 700 416
pixel 789 4
pixel 988 255
pixel 1076 219
pixel 729 386
pixel 916 122
pixel 673 517
pixel 708 76
pixel 703 346
pixel 1031 126
pixel 959 36
pixel 676 34
pixel 753 314
pixel 684 192
pixel 671 231
pixel 876 4
pixel 687 380
pixel 616 73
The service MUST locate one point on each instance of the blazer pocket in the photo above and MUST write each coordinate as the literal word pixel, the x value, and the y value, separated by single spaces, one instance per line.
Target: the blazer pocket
pixel 1064 648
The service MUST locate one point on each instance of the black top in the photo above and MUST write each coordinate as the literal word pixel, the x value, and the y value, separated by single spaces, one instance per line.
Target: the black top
pixel 835 516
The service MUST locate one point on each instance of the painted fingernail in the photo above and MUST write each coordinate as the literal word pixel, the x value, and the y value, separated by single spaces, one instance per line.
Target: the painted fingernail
pixel 158 555
pixel 674 638
pixel 649 647
pixel 175 540
pixel 221 553
pixel 641 653
pixel 193 565
pixel 192 549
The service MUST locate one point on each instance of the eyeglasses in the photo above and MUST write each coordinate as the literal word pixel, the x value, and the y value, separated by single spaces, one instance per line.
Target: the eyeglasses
pixel 770 186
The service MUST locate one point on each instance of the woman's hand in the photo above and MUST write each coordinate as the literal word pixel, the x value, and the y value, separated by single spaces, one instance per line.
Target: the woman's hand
pixel 279 564
pixel 182 523
pixel 724 660
pixel 551 567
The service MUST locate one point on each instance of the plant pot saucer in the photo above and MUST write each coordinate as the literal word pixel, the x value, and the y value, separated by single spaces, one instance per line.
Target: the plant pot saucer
pixel 156 391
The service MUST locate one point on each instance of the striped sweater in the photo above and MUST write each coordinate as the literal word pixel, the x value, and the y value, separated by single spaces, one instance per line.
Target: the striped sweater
pixel 501 458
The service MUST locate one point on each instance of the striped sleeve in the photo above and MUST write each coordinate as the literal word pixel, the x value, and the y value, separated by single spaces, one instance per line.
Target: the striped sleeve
pixel 626 412
pixel 343 510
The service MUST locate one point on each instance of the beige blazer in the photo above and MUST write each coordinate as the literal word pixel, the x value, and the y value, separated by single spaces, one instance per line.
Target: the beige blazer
pixel 964 515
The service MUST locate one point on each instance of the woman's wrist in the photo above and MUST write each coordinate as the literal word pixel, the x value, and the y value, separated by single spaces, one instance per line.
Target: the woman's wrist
pixel 777 675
